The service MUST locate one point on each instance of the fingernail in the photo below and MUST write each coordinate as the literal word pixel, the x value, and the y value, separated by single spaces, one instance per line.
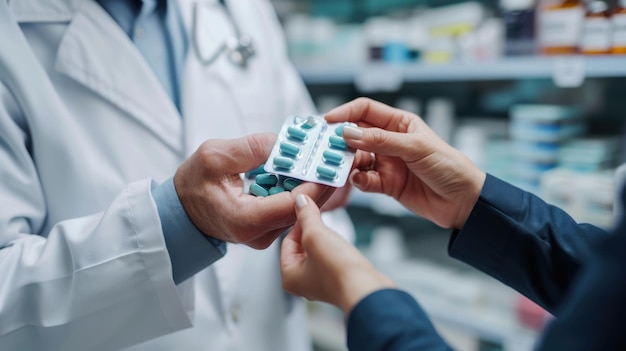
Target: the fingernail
pixel 353 180
pixel 300 201
pixel 351 132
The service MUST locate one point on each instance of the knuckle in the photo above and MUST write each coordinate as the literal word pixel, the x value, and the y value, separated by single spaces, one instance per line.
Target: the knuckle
pixel 405 121
pixel 209 156
pixel 206 151
pixel 255 145
pixel 360 108
pixel 378 136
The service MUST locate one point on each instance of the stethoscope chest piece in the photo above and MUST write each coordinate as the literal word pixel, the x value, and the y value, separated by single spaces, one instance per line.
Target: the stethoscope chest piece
pixel 237 48
pixel 240 50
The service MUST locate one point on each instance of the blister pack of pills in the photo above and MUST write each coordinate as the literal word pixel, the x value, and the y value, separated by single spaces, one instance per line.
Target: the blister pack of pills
pixel 312 150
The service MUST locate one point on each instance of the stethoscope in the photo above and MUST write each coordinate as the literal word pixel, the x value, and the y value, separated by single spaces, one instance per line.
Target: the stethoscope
pixel 238 48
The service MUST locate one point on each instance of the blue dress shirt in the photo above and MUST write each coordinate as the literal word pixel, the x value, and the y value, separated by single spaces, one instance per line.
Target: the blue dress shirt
pixel 156 29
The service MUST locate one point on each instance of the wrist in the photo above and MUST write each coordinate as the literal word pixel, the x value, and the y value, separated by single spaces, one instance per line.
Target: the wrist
pixel 474 189
pixel 360 286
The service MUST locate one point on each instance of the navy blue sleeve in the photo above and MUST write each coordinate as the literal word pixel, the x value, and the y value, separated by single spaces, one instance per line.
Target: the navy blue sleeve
pixel 592 314
pixel 190 251
pixel 525 243
pixel 391 320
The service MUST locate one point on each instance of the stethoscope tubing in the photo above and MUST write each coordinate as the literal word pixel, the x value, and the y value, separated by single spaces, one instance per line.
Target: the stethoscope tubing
pixel 233 43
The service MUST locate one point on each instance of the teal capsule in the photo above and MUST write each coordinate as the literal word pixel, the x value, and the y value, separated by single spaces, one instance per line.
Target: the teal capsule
pixel 337 142
pixel 291 183
pixel 309 123
pixel 276 190
pixel 267 179
pixel 283 162
pixel 257 190
pixel 339 130
pixel 326 172
pixel 251 174
pixel 289 149
pixel 332 157
pixel 296 133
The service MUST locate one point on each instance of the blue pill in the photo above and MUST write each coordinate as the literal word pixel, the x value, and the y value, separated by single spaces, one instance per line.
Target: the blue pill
pixel 309 123
pixel 276 190
pixel 296 133
pixel 339 130
pixel 289 149
pixel 283 162
pixel 259 170
pixel 257 190
pixel 291 183
pixel 332 157
pixel 326 172
pixel 337 142
pixel 267 179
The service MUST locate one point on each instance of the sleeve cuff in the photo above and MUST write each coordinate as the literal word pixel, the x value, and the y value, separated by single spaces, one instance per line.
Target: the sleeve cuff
pixel 481 240
pixel 527 244
pixel 189 249
pixel 390 319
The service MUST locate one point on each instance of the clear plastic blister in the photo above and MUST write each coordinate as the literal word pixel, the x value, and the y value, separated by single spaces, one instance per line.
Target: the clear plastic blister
pixel 313 150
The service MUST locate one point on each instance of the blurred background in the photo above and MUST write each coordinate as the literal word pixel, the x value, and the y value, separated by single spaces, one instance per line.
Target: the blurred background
pixel 533 92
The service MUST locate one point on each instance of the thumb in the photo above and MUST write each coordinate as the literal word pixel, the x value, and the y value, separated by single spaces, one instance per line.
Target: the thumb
pixel 291 247
pixel 310 221
pixel 380 141
pixel 241 154
pixel 309 215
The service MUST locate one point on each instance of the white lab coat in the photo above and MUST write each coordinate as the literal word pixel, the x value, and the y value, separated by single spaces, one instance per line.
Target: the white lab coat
pixel 85 130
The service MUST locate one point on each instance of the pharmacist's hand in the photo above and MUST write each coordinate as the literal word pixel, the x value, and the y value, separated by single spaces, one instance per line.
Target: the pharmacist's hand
pixel 318 264
pixel 413 165
pixel 339 199
pixel 210 189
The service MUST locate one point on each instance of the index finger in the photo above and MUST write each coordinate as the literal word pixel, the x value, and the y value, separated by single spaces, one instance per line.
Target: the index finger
pixel 373 113
pixel 230 156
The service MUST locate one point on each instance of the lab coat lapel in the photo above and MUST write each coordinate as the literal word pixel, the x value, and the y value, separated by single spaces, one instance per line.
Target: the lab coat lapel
pixel 98 54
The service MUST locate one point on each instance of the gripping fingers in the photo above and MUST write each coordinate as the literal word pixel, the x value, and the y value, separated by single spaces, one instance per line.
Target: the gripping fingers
pixel 266 240
pixel 318 192
pixel 239 155
pixel 371 112
pixel 364 160
pixel 314 231
pixel 368 181
pixel 308 213
pixel 264 214
pixel 380 141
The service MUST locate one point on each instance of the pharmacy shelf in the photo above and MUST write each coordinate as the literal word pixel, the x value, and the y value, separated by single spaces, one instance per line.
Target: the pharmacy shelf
pixel 511 68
